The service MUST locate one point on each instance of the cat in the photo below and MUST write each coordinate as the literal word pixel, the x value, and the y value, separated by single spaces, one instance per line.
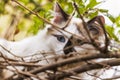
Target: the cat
pixel 52 41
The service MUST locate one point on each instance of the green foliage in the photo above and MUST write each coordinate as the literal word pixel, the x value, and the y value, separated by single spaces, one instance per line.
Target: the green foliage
pixel 111 32
pixel 36 25
pixel 2 5
pixel 92 4
pixel 111 18
pixel 114 27
pixel 117 21
pixel 87 9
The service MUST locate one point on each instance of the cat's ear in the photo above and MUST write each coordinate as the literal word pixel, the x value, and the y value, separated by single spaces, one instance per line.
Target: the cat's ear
pixel 59 14
pixel 96 25
pixel 97 20
pixel 97 29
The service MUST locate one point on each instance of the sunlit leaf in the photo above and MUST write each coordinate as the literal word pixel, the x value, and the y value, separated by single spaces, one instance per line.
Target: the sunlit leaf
pixel 93 14
pixel 111 33
pixel 103 10
pixel 2 7
pixel 32 24
pixel 111 18
pixel 24 1
pixel 118 21
pixel 92 4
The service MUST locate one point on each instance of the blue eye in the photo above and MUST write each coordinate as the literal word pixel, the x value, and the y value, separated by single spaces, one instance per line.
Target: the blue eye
pixel 60 38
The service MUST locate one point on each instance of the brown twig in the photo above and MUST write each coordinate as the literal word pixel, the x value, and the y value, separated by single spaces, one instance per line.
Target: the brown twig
pixel 45 20
pixel 85 28
pixel 9 51
pixel 84 23
pixel 25 64
pixel 25 74
pixel 74 60
pixel 68 21
pixel 87 67
pixel 5 59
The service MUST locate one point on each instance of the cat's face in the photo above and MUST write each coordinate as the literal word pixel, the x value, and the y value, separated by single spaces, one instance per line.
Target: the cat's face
pixel 74 37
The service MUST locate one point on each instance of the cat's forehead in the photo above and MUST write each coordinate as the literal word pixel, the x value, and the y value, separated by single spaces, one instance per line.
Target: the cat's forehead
pixel 70 29
pixel 76 20
pixel 74 24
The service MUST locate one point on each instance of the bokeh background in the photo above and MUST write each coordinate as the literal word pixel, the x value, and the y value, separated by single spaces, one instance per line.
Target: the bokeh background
pixel 17 23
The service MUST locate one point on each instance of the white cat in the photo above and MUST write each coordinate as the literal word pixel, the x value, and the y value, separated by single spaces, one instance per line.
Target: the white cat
pixel 49 40
pixel 54 41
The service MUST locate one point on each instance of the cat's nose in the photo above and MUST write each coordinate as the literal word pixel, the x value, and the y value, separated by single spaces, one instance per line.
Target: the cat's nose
pixel 69 47
pixel 69 50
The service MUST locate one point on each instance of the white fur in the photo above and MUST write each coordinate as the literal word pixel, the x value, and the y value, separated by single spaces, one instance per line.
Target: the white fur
pixel 42 42
pixel 45 42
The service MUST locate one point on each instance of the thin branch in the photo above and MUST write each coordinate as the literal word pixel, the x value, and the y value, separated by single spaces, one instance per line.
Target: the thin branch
pixel 25 64
pixel 85 27
pixel 8 62
pixel 68 21
pixel 74 60
pixel 87 67
pixel 84 23
pixel 45 20
pixel 27 74
pixel 9 51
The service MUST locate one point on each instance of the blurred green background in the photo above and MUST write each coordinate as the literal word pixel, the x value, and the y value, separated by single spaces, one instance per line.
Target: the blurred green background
pixel 17 23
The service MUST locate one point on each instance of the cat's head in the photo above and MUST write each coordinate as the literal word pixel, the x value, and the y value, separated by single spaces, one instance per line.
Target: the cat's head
pixel 66 39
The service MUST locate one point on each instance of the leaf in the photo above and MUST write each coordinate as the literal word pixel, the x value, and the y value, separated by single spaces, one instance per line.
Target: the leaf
pixel 117 21
pixel 82 9
pixel 92 4
pixel 2 7
pixel 111 32
pixel 103 10
pixel 111 18
pixel 24 1
pixel 93 14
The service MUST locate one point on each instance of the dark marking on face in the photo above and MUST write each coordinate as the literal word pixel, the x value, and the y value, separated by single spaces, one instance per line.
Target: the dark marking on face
pixel 69 47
